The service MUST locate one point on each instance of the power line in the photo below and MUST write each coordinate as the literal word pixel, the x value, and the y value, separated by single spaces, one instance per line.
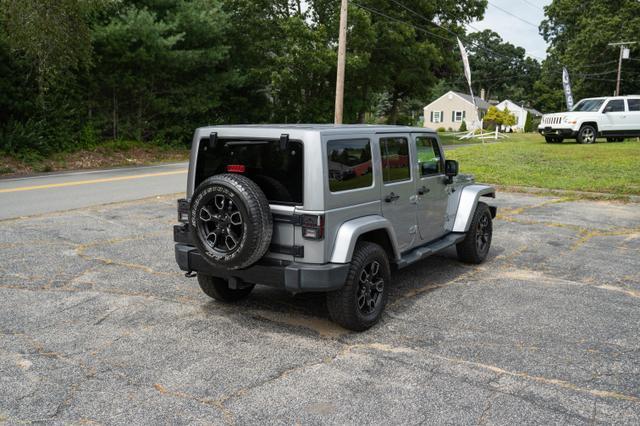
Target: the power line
pixel 514 15
pixel 533 4
pixel 377 12
pixel 424 18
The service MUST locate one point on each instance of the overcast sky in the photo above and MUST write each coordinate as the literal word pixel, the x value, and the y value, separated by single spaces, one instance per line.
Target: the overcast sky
pixel 514 30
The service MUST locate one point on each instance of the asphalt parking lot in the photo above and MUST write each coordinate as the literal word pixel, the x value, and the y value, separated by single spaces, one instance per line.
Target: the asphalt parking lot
pixel 98 325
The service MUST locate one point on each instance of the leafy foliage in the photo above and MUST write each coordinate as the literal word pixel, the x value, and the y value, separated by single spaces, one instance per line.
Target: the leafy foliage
pixel 74 73
pixel 500 117
pixel 579 33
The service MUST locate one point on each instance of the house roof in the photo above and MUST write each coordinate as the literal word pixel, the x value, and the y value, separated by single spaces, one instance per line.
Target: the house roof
pixel 481 103
pixel 533 111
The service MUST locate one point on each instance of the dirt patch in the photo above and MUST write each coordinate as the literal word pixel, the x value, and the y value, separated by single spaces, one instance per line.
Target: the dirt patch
pixel 138 154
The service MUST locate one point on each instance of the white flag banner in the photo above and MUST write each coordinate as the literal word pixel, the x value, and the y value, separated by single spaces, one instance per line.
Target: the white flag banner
pixel 465 61
pixel 566 85
pixel 476 124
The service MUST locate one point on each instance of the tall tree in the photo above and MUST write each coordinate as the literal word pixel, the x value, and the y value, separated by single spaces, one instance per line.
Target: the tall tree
pixel 579 32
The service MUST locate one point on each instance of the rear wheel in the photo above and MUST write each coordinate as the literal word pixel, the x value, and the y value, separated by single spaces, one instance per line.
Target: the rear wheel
pixel 359 304
pixel 475 247
pixel 587 134
pixel 218 289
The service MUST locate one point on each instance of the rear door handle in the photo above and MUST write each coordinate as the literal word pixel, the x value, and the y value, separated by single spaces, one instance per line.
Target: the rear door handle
pixel 391 197
pixel 423 190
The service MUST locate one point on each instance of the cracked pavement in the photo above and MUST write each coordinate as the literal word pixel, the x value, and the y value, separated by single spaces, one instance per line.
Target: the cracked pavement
pixel 98 326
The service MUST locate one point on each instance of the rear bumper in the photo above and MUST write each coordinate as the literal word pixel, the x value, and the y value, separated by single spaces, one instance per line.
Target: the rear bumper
pixel 565 133
pixel 290 276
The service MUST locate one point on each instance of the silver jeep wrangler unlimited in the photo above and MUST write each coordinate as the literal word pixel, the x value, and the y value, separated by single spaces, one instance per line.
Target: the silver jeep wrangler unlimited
pixel 323 208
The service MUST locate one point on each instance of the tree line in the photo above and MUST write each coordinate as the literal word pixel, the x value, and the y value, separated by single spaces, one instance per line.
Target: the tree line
pixel 76 72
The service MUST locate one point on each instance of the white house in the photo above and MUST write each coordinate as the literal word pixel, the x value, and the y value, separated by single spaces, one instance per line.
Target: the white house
pixel 519 112
pixel 451 109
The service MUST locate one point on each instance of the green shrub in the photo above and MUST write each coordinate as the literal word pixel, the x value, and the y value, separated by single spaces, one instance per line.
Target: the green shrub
pixel 120 145
pixel 528 123
pixel 441 130
pixel 88 137
pixel 463 126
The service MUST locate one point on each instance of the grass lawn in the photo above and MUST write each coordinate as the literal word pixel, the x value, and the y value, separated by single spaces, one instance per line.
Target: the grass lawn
pixel 527 160
pixel 449 139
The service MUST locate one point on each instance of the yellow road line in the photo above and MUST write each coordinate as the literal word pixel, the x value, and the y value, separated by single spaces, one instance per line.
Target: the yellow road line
pixel 88 182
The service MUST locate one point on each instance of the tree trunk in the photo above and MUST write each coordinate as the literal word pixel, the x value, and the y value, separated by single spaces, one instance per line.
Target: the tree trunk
pixel 393 112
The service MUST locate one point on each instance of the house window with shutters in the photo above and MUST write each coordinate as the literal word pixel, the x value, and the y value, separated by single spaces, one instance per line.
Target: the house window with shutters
pixel 458 116
pixel 437 116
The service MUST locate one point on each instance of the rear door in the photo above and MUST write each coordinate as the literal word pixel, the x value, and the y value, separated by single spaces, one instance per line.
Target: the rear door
pixel 614 117
pixel 632 123
pixel 398 188
pixel 431 188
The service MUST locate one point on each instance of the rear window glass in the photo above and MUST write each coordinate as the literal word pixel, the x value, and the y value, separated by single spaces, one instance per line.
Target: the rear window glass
pixel 349 164
pixel 634 104
pixel 276 169
pixel 395 159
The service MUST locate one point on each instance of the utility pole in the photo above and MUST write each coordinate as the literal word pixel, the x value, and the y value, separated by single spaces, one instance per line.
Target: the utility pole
pixel 623 45
pixel 342 56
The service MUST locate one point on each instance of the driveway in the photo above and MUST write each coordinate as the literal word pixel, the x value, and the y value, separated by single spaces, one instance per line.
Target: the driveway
pixel 98 325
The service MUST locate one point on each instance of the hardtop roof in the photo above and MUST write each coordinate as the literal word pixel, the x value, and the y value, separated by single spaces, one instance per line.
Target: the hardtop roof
pixel 325 128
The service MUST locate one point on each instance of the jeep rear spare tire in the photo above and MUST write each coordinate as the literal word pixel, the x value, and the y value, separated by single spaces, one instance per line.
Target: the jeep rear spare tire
pixel 231 224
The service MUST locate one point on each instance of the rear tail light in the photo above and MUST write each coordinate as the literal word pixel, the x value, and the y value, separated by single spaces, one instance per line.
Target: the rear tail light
pixel 183 211
pixel 236 168
pixel 313 227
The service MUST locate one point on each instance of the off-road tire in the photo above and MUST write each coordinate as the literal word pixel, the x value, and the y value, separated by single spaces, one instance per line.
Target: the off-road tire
pixel 587 134
pixel 218 289
pixel 243 196
pixel 343 304
pixel 469 250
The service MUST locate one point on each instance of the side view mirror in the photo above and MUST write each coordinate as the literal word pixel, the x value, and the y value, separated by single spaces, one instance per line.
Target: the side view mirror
pixel 451 168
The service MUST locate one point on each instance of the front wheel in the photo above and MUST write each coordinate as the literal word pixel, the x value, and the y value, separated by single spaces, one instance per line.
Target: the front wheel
pixel 587 134
pixel 218 289
pixel 475 247
pixel 359 304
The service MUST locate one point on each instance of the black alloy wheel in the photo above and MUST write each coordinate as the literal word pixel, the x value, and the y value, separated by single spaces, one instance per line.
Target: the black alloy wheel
pixel 371 288
pixel 359 304
pixel 483 233
pixel 220 225
pixel 476 244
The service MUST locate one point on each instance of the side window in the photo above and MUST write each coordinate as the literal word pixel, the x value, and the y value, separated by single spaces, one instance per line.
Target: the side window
pixel 349 164
pixel 429 158
pixel 634 104
pixel 616 105
pixel 395 159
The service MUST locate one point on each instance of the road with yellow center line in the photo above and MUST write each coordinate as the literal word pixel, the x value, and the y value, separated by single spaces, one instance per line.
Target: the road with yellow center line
pixel 57 192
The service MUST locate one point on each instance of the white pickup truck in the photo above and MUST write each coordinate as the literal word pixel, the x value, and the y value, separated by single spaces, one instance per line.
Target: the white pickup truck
pixel 614 118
